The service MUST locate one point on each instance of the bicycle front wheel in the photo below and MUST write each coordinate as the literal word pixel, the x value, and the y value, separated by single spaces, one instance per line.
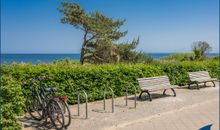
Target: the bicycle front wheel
pixel 34 107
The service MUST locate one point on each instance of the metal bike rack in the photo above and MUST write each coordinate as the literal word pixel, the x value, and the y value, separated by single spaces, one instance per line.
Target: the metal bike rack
pixel 104 93
pixel 135 96
pixel 78 102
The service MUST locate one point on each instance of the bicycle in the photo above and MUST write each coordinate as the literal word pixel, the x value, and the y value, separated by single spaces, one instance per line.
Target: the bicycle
pixel 63 103
pixel 43 106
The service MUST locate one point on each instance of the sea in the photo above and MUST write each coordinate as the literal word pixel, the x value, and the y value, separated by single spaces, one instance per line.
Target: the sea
pixel 47 58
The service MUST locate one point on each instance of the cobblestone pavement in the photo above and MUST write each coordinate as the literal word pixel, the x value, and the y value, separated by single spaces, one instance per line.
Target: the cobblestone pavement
pixel 190 110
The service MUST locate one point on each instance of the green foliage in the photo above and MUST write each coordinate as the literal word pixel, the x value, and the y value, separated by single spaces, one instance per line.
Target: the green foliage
pixel 200 49
pixel 98 29
pixel 70 76
pixel 177 72
pixel 179 57
pixel 100 36
pixel 12 102
pixel 128 54
pixel 215 58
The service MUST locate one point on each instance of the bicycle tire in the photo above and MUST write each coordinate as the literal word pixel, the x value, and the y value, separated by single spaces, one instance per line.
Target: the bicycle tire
pixel 55 108
pixel 34 107
pixel 66 112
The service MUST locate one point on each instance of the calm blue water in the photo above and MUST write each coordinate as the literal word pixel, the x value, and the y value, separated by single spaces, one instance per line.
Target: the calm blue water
pixel 36 58
pixel 45 58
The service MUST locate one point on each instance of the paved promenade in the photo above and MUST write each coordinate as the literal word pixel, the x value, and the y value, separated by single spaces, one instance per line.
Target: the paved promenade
pixel 190 110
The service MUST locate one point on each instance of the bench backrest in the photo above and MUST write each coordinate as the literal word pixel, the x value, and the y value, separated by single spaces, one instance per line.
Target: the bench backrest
pixel 199 75
pixel 159 81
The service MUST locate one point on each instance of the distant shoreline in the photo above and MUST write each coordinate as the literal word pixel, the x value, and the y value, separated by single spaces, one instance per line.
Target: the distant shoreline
pixel 9 58
pixel 79 53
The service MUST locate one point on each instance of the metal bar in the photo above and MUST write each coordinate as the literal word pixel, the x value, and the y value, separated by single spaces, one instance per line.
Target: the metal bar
pixel 104 99
pixel 80 90
pixel 135 100
pixel 126 101
pixel 86 103
pixel 104 93
pixel 113 103
pixel 135 95
pixel 78 100
pixel 112 99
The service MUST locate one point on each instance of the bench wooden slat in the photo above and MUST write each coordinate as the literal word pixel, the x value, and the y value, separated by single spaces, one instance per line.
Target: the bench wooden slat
pixel 199 76
pixel 155 84
pixel 155 88
pixel 153 78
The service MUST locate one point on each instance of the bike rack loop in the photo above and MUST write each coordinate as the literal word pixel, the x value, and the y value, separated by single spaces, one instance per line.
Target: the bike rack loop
pixel 135 96
pixel 112 92
pixel 78 100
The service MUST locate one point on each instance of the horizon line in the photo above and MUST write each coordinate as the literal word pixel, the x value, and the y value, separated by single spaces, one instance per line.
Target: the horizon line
pixel 79 53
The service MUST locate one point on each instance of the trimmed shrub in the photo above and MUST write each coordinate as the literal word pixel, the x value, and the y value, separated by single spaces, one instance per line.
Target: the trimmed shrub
pixel 12 103
pixel 177 72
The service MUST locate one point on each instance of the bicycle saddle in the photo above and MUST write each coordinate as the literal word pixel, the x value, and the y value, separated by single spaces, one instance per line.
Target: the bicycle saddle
pixel 50 88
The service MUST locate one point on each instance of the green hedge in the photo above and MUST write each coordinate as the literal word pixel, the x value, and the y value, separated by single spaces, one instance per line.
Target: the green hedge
pixel 71 76
pixel 12 102
pixel 177 72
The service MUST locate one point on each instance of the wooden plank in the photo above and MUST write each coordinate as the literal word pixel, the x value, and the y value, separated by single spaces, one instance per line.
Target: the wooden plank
pixel 197 75
pixel 152 78
pixel 146 85
pixel 153 81
pixel 157 88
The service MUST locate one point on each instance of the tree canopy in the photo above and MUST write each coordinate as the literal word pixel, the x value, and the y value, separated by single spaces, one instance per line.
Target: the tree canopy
pixel 100 35
pixel 200 49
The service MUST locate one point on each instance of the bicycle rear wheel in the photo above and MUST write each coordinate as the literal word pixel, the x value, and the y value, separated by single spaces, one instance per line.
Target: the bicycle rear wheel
pixel 34 107
pixel 56 115
pixel 66 112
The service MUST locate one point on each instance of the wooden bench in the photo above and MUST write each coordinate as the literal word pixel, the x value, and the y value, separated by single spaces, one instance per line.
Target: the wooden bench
pixel 200 77
pixel 155 83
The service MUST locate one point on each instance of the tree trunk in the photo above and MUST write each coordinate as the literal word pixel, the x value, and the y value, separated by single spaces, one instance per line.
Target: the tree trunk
pixel 83 48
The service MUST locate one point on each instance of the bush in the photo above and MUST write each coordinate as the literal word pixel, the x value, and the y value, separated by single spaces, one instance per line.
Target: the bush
pixel 213 58
pixel 177 72
pixel 179 57
pixel 12 102
pixel 70 76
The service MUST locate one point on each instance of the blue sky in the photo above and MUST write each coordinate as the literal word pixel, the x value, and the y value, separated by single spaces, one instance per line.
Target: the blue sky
pixel 33 26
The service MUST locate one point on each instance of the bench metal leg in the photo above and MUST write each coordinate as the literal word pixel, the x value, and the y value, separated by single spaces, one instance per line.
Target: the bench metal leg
pixel 213 83
pixel 197 84
pixel 174 93
pixel 189 86
pixel 164 92
pixel 141 94
pixel 205 84
pixel 150 98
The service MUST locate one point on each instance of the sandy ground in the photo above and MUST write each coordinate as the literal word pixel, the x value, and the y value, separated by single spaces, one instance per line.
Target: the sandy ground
pixel 190 110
